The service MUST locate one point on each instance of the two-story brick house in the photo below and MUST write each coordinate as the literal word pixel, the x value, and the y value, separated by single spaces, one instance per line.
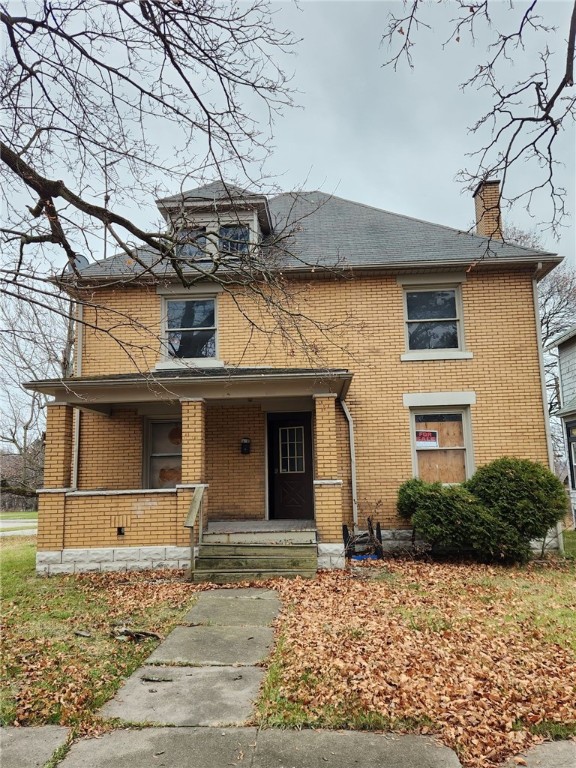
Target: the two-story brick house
pixel 418 355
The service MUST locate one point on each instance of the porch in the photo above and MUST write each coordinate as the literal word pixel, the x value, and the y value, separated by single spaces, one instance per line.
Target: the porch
pixel 271 456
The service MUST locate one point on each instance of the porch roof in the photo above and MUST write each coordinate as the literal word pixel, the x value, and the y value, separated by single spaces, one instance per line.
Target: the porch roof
pixel 99 393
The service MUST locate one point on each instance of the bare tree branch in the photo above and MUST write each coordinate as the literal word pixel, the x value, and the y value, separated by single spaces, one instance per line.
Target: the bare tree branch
pixel 525 118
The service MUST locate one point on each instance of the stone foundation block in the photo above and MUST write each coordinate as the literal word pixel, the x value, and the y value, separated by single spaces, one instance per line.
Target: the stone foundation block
pixel 331 556
pixel 153 553
pixel 47 558
pixel 88 567
pixel 116 566
pixel 165 564
pixel 87 555
pixel 177 553
pixel 56 569
pixel 127 554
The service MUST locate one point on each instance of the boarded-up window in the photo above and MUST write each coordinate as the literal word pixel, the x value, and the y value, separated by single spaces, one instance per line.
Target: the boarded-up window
pixel 440 447
pixel 165 454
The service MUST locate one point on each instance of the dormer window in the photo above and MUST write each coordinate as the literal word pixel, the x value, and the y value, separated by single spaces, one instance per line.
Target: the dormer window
pixel 191 328
pixel 192 243
pixel 234 239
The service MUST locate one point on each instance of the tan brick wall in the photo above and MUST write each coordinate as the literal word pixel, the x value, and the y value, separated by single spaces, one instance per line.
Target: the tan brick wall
pixel 58 449
pixel 193 441
pixel 325 443
pixel 328 511
pixel 129 339
pixel 499 326
pixel 327 498
pixel 50 521
pixel 110 451
pixel 237 481
pixel 148 519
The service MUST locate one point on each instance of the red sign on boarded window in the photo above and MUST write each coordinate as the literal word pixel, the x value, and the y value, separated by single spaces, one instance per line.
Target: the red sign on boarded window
pixel 426 438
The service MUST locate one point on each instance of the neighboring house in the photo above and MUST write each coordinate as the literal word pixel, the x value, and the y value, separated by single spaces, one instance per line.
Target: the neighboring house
pixel 566 345
pixel 423 358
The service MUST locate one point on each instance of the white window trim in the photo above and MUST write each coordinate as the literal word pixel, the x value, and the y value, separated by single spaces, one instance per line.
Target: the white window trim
pixel 167 360
pixel 434 282
pixel 439 408
pixel 438 399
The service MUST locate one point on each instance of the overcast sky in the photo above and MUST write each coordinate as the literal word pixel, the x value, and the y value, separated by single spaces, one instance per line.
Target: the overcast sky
pixel 396 140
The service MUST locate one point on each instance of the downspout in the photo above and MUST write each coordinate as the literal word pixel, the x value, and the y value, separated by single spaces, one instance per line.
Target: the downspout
pixel 77 412
pixel 538 269
pixel 348 416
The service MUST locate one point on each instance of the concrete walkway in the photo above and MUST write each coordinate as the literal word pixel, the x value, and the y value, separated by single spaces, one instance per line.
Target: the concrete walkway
pixel 18 527
pixel 203 678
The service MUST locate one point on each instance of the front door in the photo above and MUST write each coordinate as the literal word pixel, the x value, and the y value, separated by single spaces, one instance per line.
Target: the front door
pixel 290 474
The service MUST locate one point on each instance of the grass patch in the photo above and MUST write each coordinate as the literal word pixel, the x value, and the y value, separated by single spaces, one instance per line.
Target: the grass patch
pixel 554 731
pixel 16 528
pixel 27 515
pixel 51 675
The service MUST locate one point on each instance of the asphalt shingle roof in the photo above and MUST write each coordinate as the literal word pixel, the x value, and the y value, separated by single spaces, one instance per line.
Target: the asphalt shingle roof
pixel 332 232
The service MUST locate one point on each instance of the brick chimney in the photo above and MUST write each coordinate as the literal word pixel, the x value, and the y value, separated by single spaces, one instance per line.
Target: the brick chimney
pixel 487 202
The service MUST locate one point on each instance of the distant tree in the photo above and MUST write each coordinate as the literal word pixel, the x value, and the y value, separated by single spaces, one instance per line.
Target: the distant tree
pixel 35 343
pixel 526 116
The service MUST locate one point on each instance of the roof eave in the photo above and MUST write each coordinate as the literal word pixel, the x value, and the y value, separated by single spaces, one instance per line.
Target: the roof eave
pixel 99 394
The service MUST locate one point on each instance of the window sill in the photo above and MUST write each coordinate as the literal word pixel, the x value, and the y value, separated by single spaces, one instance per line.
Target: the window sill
pixel 436 354
pixel 189 362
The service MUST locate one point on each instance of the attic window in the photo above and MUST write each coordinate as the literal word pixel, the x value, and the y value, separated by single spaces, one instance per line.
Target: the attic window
pixel 234 239
pixel 193 243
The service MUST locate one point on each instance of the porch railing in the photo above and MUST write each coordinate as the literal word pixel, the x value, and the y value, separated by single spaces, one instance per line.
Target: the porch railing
pixel 195 515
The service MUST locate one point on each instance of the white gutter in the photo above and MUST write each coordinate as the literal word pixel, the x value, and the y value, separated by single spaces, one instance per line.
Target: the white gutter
pixel 538 269
pixel 348 416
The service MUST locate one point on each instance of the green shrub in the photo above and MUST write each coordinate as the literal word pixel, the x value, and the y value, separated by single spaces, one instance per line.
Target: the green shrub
pixel 522 494
pixel 494 524
pixel 409 494
pixel 455 523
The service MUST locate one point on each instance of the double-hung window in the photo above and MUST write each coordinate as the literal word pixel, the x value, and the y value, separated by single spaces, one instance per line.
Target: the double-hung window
pixel 191 327
pixel 234 239
pixel 432 317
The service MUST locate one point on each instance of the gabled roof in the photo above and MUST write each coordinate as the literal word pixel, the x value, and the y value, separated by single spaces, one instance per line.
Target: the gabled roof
pixel 212 192
pixel 218 197
pixel 311 229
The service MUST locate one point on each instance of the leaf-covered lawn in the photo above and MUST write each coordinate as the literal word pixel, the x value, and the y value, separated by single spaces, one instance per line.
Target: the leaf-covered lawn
pixel 49 674
pixel 481 656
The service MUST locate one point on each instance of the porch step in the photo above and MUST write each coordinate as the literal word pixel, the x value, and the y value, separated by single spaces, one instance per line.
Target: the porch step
pixel 222 563
pixel 271 532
